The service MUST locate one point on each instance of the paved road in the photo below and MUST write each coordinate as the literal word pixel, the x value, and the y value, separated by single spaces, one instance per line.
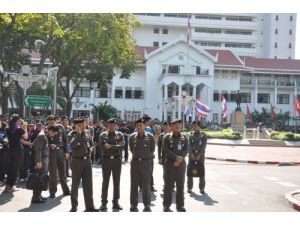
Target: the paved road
pixel 231 187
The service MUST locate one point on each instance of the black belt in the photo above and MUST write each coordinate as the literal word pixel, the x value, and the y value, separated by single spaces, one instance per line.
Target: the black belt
pixel 85 157
pixel 142 159
pixel 112 156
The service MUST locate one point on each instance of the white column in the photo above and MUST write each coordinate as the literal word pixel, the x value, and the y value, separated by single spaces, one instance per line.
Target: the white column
pixel 255 95
pixel 295 98
pixel 179 101
pixel 92 98
pixel 209 101
pixel 275 94
pixel 193 104
pixel 165 100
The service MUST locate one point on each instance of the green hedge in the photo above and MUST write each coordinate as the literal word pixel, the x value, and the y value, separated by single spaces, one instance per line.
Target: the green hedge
pixel 223 134
pixel 284 136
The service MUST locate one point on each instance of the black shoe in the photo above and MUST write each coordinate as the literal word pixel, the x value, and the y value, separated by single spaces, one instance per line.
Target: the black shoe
pixel 43 198
pixel 37 201
pixel 147 209
pixel 189 191
pixel 103 208
pixel 202 192
pixel 67 193
pixel 52 195
pixel 153 189
pixel 73 209
pixel 117 207
pixel 91 210
pixel 133 209
pixel 181 209
pixel 167 209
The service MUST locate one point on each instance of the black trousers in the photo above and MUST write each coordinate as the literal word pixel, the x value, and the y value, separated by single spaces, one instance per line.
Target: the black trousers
pixel 25 165
pixel 14 164
pixel 114 167
pixel 3 163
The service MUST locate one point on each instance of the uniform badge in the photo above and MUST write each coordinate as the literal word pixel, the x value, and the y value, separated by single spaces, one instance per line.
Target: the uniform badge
pixel 179 147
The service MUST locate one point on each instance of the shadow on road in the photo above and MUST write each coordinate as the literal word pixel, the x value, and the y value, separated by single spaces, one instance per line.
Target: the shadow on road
pixel 6 197
pixel 206 199
pixel 41 207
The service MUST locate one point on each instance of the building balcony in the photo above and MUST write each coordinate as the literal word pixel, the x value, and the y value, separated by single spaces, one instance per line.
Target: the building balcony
pixel 221 37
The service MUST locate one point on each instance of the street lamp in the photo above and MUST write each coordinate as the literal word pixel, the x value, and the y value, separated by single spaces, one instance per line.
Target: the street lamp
pixel 54 71
pixel 25 79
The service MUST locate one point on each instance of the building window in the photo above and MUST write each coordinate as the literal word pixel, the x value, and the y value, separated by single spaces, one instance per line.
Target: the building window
pixel 118 92
pixel 291 18
pixel 275 57
pixel 138 93
pixel 165 31
pixel 84 92
pixel 216 96
pixel 215 117
pixel 246 97
pixel 276 31
pixel 275 45
pixel 101 93
pixel 198 70
pixel 208 30
pixel 164 43
pixel 155 44
pixel 290 45
pixel 263 98
pixel 173 69
pixel 283 99
pixel 128 93
pixel 290 57
pixel 225 94
pixel 156 31
pixel 277 18
pixel 291 32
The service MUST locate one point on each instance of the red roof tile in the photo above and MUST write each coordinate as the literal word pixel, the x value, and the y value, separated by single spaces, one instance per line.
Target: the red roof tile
pixel 271 64
pixel 225 57
pixel 141 50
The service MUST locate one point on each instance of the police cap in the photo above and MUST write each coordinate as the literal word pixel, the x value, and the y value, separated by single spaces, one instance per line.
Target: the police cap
pixel 176 121
pixel 197 122
pixel 140 120
pixel 51 117
pixel 112 120
pixel 78 120
pixel 146 117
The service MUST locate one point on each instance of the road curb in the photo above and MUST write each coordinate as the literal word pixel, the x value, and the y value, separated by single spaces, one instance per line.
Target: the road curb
pixel 294 203
pixel 249 145
pixel 257 162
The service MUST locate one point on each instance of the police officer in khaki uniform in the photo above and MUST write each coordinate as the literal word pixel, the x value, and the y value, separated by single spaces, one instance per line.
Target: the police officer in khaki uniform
pixel 167 128
pixel 41 150
pixel 175 147
pixel 197 141
pixel 142 147
pixel 112 143
pixel 58 154
pixel 81 166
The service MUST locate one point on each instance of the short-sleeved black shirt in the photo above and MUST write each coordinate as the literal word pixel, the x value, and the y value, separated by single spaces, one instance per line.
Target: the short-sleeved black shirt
pixel 14 139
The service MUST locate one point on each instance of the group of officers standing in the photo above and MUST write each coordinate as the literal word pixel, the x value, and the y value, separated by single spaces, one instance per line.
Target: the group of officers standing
pixel 55 144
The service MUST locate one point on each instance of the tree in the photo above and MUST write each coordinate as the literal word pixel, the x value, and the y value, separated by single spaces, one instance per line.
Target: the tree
pixel 15 34
pixel 89 46
pixel 103 111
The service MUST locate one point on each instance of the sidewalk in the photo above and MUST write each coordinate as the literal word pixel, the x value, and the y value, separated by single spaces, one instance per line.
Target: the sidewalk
pixel 239 151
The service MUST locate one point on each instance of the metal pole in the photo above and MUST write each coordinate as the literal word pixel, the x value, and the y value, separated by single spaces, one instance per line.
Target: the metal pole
pixel 25 92
pixel 55 91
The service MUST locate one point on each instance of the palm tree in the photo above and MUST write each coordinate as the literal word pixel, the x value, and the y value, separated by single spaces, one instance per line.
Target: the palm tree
pixel 103 111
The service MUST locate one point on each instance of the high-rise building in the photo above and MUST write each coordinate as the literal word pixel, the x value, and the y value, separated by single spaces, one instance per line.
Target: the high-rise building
pixel 264 35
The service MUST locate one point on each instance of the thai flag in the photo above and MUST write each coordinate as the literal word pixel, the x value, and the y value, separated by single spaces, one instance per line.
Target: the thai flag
pixel 188 30
pixel 297 106
pixel 201 108
pixel 224 108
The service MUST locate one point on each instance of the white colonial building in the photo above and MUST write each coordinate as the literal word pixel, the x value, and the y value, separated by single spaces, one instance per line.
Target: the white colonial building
pixel 174 75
